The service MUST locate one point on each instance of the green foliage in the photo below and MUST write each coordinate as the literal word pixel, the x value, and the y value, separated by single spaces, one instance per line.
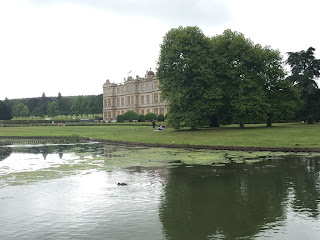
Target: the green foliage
pixel 224 79
pixel 20 110
pixel 151 116
pixel 53 109
pixel 184 72
pixel 240 78
pixel 305 69
pixel 38 106
pixel 160 117
pixel 78 106
pixel 5 111
pixel 142 118
pixel 92 105
pixel 120 118
pixel 130 116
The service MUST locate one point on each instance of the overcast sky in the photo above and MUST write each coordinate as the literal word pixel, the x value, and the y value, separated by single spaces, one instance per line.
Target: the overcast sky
pixel 73 46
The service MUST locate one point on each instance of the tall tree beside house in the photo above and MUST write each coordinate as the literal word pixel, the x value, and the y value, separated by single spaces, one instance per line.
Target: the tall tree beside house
pixel 100 102
pixel 184 73
pixel 92 105
pixel 305 69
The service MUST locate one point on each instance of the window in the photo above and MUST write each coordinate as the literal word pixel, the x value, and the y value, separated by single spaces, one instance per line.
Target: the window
pixel 142 100
pixel 155 98
pixel 161 99
pixel 148 99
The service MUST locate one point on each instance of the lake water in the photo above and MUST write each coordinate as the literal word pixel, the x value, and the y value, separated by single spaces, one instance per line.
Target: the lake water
pixel 70 191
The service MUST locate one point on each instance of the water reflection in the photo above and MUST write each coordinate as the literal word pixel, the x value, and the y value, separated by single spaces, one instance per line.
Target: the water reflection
pixel 240 202
pixel 228 195
pixel 5 152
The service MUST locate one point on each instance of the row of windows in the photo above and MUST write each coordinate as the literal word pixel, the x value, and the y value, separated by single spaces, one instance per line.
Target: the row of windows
pixel 131 100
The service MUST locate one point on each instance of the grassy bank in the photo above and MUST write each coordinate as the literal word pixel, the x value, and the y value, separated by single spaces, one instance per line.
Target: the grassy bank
pixel 280 135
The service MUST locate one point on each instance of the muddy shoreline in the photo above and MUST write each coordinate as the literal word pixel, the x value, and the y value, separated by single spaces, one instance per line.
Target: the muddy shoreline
pixel 186 146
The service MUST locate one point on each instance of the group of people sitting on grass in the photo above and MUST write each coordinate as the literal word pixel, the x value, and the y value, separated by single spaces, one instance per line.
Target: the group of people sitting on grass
pixel 154 125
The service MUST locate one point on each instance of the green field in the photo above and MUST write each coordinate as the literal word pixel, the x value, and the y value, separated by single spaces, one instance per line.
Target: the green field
pixel 280 135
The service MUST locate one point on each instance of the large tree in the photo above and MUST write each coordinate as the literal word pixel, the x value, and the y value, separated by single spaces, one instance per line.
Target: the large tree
pixel 20 110
pixel 92 106
pixel 53 109
pixel 5 111
pixel 79 105
pixel 184 73
pixel 225 79
pixel 305 69
pixel 241 76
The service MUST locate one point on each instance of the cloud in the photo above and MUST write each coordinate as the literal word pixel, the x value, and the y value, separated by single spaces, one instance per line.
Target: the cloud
pixel 172 12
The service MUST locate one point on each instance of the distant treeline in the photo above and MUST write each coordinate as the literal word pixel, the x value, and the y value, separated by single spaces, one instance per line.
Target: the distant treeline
pixel 51 106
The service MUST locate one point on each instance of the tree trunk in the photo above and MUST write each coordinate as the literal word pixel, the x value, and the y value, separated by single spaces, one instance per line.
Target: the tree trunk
pixel 269 122
pixel 241 125
pixel 214 122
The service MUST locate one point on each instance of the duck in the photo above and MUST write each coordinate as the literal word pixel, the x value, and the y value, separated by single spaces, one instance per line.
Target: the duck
pixel 122 184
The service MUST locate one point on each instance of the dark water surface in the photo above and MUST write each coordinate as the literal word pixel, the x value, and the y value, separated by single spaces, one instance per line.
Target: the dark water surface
pixel 55 191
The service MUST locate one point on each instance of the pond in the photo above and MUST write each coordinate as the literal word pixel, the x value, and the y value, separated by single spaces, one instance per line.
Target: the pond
pixel 71 191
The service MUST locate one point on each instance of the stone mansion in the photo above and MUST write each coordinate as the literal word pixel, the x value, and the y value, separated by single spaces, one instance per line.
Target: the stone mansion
pixel 141 95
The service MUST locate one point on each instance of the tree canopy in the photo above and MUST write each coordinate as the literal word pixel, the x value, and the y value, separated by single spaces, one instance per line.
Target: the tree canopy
pixel 224 79
pixel 305 69
pixel 53 109
pixel 20 110
pixel 184 73
pixel 5 111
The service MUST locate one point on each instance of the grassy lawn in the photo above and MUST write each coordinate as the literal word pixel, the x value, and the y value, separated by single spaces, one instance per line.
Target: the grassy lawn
pixel 280 135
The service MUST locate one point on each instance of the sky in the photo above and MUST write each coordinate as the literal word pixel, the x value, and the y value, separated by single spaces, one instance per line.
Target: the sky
pixel 74 46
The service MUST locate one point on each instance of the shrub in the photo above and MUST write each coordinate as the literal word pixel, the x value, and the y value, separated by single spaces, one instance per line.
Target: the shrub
pixel 150 116
pixel 120 118
pixel 142 118
pixel 160 117
pixel 130 115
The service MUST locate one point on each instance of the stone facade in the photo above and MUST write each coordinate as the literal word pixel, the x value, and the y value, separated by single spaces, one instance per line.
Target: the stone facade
pixel 141 95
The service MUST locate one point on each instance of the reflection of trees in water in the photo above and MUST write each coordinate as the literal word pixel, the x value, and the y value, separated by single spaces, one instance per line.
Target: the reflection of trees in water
pixel 60 149
pixel 238 202
pixel 303 177
pixel 5 152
